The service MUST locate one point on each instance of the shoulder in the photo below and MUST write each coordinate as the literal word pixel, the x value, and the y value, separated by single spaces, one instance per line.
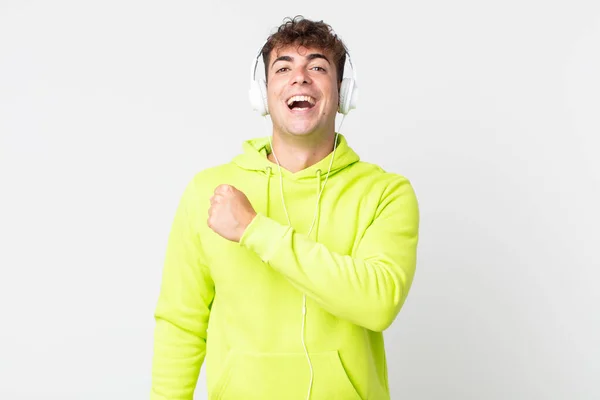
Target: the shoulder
pixel 209 178
pixel 381 179
pixel 202 184
pixel 393 193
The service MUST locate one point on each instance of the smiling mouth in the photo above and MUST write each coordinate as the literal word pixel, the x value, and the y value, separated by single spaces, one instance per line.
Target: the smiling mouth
pixel 301 103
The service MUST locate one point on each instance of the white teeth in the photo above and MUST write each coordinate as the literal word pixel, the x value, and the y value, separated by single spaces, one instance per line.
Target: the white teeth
pixel 301 98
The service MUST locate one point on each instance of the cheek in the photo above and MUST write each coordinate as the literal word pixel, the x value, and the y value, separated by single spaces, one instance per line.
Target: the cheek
pixel 271 97
pixel 334 89
pixel 333 99
pixel 274 94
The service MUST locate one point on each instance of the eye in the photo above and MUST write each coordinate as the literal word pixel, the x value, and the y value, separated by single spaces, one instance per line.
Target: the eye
pixel 282 69
pixel 318 69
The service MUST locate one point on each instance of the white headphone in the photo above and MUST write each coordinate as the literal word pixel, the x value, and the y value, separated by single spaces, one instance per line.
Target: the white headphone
pixel 258 90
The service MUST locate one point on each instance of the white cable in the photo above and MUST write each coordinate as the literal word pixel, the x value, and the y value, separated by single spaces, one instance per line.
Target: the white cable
pixel 309 232
pixel 327 176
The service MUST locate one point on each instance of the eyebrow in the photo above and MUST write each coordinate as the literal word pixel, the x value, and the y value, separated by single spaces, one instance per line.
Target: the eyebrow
pixel 310 57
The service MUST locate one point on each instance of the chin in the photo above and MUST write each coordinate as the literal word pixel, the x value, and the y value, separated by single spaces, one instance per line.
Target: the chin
pixel 302 131
pixel 306 128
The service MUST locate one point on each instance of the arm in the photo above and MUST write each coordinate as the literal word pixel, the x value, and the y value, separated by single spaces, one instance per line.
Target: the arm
pixel 368 289
pixel 183 308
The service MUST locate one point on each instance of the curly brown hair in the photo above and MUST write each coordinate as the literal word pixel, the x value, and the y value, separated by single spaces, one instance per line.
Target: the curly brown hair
pixel 306 33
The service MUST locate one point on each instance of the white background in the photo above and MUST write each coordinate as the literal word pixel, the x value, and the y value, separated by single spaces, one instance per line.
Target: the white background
pixel 491 109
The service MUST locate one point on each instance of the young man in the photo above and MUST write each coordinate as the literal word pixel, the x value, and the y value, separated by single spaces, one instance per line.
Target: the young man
pixel 307 254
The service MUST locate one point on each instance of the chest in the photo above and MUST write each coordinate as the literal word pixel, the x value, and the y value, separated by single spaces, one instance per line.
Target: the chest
pixel 337 217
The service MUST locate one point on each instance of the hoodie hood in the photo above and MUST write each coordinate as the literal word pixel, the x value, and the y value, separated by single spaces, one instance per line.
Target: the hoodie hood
pixel 255 151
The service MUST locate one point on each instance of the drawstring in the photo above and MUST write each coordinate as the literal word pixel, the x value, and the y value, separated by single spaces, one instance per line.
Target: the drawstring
pixel 318 182
pixel 317 215
pixel 267 202
pixel 318 211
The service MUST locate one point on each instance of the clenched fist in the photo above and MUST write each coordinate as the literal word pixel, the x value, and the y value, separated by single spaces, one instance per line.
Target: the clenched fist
pixel 230 212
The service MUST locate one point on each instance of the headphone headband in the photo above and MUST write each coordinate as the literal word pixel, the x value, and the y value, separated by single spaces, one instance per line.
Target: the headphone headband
pixel 255 63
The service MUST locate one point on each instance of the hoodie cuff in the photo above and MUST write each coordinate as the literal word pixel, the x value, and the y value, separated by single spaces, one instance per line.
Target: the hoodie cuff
pixel 263 236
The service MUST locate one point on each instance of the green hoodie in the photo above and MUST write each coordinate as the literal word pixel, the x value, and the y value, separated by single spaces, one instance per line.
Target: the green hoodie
pixel 240 305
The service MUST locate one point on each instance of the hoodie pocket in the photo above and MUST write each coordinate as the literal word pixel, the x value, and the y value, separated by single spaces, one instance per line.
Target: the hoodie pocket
pixel 267 376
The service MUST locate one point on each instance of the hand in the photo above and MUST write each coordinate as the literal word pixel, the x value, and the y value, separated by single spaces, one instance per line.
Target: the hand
pixel 230 212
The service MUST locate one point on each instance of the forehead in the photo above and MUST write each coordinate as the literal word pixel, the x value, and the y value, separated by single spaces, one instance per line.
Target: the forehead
pixel 296 52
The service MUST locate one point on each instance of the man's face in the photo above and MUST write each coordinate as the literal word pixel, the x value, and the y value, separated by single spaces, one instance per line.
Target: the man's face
pixel 302 91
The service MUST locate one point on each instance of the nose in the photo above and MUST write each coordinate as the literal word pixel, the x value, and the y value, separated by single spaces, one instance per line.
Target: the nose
pixel 300 76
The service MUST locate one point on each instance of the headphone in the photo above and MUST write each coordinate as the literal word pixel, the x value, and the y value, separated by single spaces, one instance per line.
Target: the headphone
pixel 258 90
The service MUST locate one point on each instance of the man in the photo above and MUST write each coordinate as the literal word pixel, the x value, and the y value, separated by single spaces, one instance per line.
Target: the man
pixel 306 256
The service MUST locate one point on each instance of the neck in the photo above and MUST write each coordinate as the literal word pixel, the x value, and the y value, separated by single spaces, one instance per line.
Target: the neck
pixel 297 153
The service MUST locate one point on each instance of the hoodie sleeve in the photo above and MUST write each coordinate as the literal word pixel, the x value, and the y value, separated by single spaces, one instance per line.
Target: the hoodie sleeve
pixel 182 312
pixel 367 289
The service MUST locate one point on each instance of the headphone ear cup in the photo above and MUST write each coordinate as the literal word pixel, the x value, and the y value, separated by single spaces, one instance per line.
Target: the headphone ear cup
pixel 263 93
pixel 348 96
pixel 258 96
